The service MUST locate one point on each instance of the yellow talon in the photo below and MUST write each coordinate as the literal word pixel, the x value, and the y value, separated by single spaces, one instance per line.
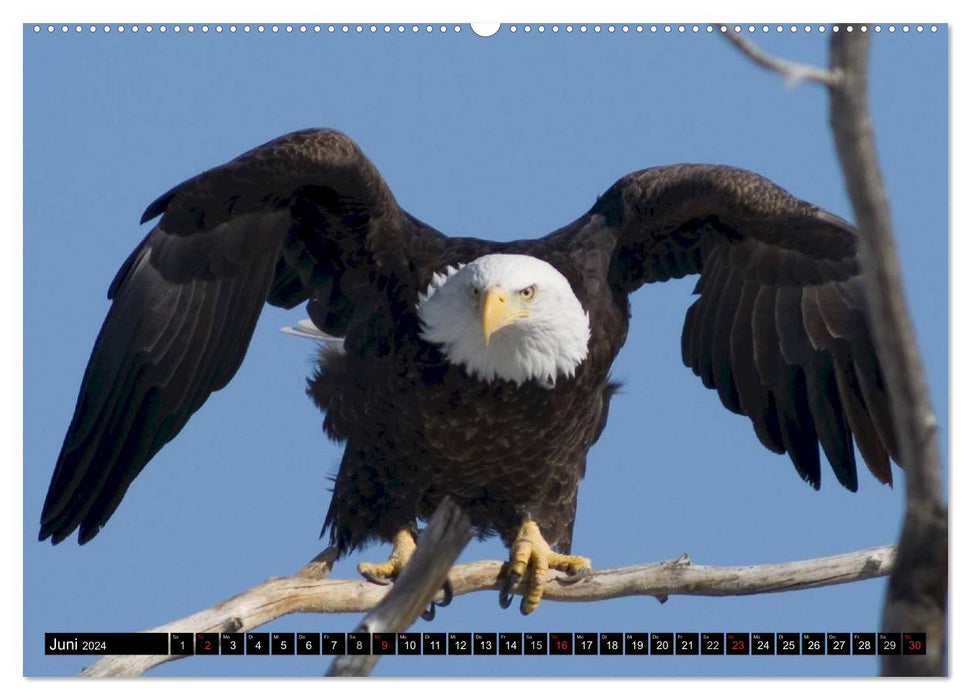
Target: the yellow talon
pixel 529 551
pixel 402 547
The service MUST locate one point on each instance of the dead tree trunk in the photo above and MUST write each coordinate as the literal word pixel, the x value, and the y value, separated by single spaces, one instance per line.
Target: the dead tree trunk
pixel 917 593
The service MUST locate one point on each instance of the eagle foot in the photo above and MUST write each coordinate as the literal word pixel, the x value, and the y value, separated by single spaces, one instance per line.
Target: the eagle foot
pixel 402 547
pixel 384 574
pixel 530 552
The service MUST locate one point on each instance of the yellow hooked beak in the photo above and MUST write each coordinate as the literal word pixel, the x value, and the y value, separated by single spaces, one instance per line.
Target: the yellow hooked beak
pixel 497 311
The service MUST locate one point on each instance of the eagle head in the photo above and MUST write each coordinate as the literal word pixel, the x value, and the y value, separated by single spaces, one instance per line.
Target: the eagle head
pixel 507 317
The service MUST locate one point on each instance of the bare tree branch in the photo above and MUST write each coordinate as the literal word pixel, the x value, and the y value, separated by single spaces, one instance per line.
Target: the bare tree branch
pixel 792 72
pixel 917 595
pixel 277 597
pixel 449 530
pixel 266 601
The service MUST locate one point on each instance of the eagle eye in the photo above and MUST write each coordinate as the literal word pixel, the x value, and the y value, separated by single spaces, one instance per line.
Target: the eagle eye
pixel 528 293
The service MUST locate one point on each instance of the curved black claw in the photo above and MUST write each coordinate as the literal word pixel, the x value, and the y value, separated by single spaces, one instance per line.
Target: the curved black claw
pixel 505 593
pixel 578 576
pixel 380 580
pixel 447 594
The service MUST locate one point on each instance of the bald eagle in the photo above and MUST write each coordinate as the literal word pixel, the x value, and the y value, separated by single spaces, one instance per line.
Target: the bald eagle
pixel 470 368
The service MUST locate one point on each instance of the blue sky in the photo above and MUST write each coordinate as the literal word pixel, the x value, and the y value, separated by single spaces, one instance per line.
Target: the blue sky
pixel 506 137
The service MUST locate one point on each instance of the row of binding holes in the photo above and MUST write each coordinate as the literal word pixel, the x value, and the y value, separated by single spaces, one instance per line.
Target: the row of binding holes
pixel 442 29
pixel 708 28
pixel 259 29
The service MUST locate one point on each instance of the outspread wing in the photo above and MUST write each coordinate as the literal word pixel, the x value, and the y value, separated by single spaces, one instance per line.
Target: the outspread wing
pixel 303 217
pixel 780 328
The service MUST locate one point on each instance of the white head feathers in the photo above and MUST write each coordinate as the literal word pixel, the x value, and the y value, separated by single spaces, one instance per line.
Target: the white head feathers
pixel 514 317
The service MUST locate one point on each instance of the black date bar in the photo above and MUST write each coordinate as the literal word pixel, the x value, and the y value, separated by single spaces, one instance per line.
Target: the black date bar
pixel 100 643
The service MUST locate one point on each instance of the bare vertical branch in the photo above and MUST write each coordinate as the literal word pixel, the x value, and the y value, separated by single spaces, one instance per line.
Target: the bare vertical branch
pixel 449 530
pixel 917 593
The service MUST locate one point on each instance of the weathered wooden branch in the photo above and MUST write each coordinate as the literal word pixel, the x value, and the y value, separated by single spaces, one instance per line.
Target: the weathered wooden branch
pixel 449 530
pixel 277 597
pixel 266 601
pixel 917 594
pixel 791 72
